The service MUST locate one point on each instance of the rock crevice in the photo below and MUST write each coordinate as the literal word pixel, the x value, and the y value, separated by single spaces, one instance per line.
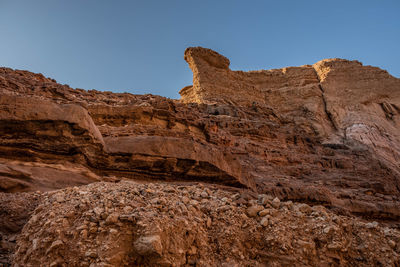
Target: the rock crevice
pixel 324 100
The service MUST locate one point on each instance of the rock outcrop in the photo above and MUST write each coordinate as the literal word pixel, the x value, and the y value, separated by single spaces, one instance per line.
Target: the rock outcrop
pixel 242 158
pixel 293 92
pixel 338 99
pixel 363 103
pixel 47 122
pixel 340 104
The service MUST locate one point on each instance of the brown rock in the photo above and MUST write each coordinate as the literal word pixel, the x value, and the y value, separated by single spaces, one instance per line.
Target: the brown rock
pixel 264 212
pixel 304 208
pixel 325 134
pixel 184 157
pixel 159 238
pixel 363 103
pixel 349 107
pixel 252 211
pixel 276 203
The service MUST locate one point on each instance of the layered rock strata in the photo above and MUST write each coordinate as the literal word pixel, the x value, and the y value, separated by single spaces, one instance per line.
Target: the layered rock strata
pixel 339 100
pixel 325 134
pixel 341 104
pixel 43 121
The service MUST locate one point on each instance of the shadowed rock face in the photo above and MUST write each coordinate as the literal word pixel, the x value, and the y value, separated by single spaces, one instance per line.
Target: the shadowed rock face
pixel 363 104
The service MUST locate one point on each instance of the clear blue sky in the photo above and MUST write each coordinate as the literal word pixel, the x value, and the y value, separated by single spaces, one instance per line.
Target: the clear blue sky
pixel 137 46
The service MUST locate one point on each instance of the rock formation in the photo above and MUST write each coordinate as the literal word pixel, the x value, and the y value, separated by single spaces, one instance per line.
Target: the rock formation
pixel 339 100
pixel 290 166
pixel 338 104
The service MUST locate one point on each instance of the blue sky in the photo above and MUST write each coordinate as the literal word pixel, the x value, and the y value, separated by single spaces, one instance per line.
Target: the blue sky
pixel 138 46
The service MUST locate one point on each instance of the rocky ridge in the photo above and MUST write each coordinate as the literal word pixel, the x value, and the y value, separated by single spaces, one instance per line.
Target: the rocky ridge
pixel 324 136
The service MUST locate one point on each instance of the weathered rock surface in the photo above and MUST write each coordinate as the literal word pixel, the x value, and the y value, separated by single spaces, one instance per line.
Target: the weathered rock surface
pixel 344 113
pixel 363 103
pixel 127 224
pixel 339 100
pixel 292 92
pixel 180 157
pixel 47 122
pixel 325 136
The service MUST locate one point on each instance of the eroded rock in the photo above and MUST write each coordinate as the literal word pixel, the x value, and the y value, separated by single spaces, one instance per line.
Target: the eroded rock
pixel 314 143
pixel 165 234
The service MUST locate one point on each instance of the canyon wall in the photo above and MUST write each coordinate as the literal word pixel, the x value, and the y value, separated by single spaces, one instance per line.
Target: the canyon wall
pixel 339 100
pixel 323 139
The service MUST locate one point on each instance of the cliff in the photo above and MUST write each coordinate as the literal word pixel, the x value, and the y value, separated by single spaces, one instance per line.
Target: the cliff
pixel 264 155
pixel 339 100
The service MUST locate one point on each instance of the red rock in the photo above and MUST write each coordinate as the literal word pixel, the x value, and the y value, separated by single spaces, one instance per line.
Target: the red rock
pixel 322 134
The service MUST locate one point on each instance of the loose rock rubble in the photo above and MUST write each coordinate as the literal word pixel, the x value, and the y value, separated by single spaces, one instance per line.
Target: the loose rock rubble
pixel 129 223
pixel 15 211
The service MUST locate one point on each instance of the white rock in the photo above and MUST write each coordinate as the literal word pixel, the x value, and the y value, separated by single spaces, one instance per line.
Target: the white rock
pixel 372 225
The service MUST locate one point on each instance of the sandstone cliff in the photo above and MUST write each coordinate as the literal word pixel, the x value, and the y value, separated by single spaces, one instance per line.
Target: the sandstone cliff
pixel 351 108
pixel 340 100
pixel 326 137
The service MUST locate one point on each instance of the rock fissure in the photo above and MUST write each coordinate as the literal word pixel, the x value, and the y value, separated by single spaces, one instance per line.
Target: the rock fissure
pixel 327 112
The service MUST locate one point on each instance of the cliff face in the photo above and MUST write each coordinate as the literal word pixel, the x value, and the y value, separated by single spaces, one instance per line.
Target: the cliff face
pixel 339 100
pixel 124 135
pixel 340 104
pixel 326 135
pixel 363 104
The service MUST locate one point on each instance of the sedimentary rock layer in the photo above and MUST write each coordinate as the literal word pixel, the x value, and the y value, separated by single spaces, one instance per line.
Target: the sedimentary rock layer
pixel 340 100
pixel 351 108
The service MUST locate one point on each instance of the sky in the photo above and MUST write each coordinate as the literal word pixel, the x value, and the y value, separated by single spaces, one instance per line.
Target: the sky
pixel 138 46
